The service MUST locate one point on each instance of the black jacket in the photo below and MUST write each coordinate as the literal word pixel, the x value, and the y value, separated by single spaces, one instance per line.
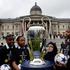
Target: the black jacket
pixel 5 54
pixel 20 54
pixel 50 56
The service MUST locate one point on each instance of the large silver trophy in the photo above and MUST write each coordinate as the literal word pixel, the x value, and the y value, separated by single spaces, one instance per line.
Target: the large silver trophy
pixel 36 39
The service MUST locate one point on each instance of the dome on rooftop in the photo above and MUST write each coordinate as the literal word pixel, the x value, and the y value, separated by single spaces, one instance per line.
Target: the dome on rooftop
pixel 35 10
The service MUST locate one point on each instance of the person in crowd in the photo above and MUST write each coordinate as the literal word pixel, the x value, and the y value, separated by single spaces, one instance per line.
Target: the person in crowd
pixel 63 50
pixel 60 66
pixel 51 51
pixel 2 44
pixel 63 47
pixel 20 54
pixel 5 51
pixel 68 64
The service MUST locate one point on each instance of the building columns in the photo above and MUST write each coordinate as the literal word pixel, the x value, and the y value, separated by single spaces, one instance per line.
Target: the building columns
pixel 50 28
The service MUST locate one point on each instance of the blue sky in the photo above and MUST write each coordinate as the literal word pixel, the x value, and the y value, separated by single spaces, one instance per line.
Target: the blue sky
pixel 17 8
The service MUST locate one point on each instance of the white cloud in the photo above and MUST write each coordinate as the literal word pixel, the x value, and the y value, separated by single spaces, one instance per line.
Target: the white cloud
pixel 17 8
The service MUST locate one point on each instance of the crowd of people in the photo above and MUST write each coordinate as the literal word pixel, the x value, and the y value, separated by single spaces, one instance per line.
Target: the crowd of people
pixel 14 54
pixel 54 36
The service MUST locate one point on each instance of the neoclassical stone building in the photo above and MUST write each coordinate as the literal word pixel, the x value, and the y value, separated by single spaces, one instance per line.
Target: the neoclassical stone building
pixel 20 25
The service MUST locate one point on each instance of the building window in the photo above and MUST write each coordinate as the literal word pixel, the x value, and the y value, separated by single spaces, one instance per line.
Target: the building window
pixel 8 27
pixel 13 27
pixel 31 23
pixel 68 27
pixel 2 27
pixel 8 33
pixel 63 26
pixel 16 27
pixel 54 25
pixel 58 26
pixel 12 33
pixel 17 33
pixel 2 33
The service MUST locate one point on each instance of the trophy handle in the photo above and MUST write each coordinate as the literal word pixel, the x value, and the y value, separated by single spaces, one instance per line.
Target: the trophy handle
pixel 43 53
pixel 31 54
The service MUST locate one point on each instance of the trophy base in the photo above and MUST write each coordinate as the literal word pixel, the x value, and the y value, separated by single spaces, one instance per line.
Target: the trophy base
pixel 37 61
pixel 28 65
